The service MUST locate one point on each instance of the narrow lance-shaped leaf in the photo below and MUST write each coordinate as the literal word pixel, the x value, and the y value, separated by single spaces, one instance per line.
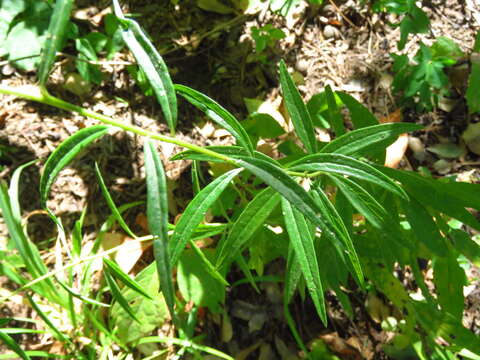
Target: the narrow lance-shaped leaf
pixel 343 243
pixel 157 214
pixel 12 345
pixel 251 218
pixel 298 111
pixel 152 64
pixel 118 273
pixel 195 212
pixel 360 115
pixel 117 295
pixel 365 203
pixel 111 203
pixel 65 153
pixel 292 275
pixel 218 114
pixel 304 248
pixel 336 119
pixel 346 165
pixel 288 188
pixel 368 139
pixel 231 151
pixel 55 33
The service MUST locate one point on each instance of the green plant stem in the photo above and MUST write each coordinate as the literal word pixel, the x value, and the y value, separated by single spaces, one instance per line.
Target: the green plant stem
pixel 42 96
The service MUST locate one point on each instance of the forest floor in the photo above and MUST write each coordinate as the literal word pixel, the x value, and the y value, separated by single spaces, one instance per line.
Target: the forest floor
pixel 343 45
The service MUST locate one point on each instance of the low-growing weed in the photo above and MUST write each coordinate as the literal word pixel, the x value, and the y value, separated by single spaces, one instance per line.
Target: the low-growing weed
pixel 338 218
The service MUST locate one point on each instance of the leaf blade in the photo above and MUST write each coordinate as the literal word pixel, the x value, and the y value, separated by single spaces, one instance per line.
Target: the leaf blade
pixel 55 32
pixel 368 139
pixel 298 111
pixel 195 211
pixel 218 114
pixel 152 64
pixel 157 215
pixel 304 248
pixel 65 153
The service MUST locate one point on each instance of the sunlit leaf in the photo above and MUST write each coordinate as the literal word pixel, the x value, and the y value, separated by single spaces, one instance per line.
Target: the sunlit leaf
pixel 195 212
pixel 303 246
pixel 65 153
pixel 55 33
pixel 151 62
pixel 298 111
pixel 218 114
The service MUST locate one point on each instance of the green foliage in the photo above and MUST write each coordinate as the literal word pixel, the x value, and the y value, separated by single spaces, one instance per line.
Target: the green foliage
pixel 414 20
pixel 265 37
pixel 338 214
pixel 424 82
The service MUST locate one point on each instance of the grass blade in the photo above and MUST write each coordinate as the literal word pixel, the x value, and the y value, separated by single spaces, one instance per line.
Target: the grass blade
pixel 151 62
pixel 251 218
pixel 111 203
pixel 12 345
pixel 348 166
pixel 118 273
pixel 195 212
pixel 298 111
pixel 368 139
pixel 218 114
pixel 65 153
pixel 117 295
pixel 304 248
pixel 157 214
pixel 55 33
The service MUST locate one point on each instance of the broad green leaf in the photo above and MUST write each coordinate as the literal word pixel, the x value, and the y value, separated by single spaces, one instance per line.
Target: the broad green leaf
pixel 151 62
pixel 231 151
pixel 25 42
pixel 157 214
pixel 12 345
pixel 369 139
pixel 360 115
pixel 361 199
pixel 195 212
pixel 449 279
pixel 218 114
pixel 262 125
pixel 424 227
pixel 65 153
pixel 117 272
pixel 151 313
pixel 450 198
pixel 298 111
pixel 118 296
pixel 195 282
pixel 348 166
pixel 303 246
pixel 111 203
pixel 336 119
pixel 473 100
pixel 55 33
pixel 252 217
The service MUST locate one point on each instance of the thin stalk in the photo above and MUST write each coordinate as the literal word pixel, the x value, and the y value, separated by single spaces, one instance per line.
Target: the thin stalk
pixel 42 96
